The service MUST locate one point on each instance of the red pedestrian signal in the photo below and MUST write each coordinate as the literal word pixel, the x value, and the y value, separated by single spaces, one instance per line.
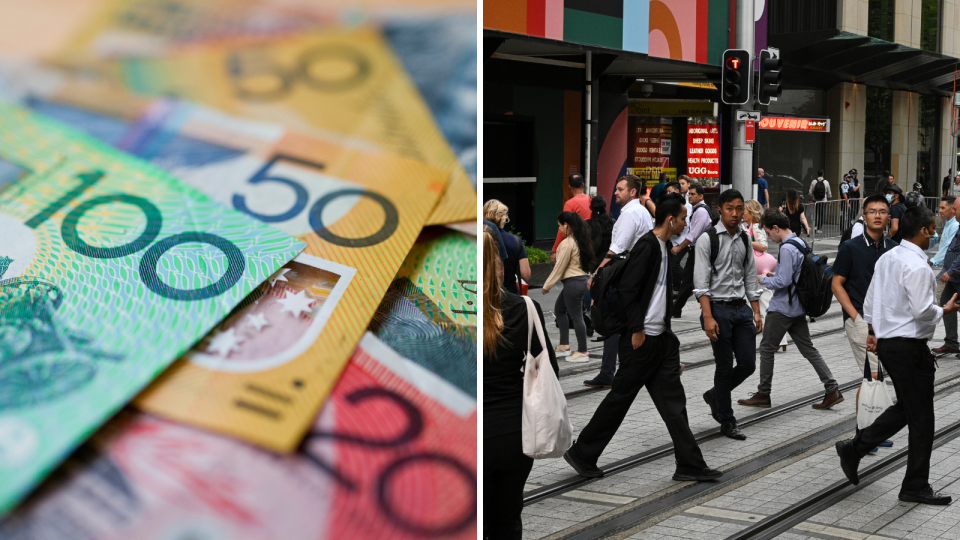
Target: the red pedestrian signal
pixel 736 77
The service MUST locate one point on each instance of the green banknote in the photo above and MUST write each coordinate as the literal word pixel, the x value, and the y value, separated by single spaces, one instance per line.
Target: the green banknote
pixel 110 269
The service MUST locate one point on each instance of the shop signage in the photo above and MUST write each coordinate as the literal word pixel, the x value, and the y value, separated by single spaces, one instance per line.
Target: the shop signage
pixel 671 108
pixel 703 150
pixel 651 175
pixel 651 145
pixel 821 125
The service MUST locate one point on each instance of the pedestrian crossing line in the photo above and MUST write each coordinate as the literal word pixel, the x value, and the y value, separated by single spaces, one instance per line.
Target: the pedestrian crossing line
pixel 721 514
pixel 580 495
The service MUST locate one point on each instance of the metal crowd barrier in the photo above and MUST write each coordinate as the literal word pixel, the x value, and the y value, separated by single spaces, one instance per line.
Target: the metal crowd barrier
pixel 828 219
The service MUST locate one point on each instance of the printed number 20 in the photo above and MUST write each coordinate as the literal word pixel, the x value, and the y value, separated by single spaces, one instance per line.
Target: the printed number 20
pixel 150 260
pixel 391 216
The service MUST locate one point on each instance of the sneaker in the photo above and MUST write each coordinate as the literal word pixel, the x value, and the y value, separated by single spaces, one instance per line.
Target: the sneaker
pixel 578 357
pixel 560 352
pixel 886 444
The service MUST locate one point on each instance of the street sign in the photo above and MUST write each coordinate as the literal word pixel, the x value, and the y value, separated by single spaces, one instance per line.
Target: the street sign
pixel 743 116
pixel 750 131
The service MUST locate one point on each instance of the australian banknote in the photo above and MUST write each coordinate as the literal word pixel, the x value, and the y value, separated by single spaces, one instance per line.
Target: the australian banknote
pixel 392 455
pixel 110 268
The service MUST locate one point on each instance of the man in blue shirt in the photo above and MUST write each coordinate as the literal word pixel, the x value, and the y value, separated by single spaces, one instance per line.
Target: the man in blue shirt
pixel 950 226
pixel 950 276
pixel 786 315
pixel 763 190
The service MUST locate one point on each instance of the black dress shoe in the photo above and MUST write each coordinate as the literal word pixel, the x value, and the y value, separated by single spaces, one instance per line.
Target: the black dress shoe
pixel 594 383
pixel 699 476
pixel 731 430
pixel 713 405
pixel 849 460
pixel 583 468
pixel 926 496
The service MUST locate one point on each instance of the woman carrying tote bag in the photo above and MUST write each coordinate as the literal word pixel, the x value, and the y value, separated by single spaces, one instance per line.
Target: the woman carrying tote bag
pixel 505 333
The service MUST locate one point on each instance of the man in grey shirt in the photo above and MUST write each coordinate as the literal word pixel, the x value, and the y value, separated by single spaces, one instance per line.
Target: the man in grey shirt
pixel 721 286
pixel 786 315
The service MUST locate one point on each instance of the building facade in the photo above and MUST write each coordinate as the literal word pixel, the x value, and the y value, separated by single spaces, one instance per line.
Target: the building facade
pixel 607 87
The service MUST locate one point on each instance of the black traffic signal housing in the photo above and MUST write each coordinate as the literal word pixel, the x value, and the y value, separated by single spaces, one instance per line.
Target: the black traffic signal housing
pixel 770 76
pixel 735 82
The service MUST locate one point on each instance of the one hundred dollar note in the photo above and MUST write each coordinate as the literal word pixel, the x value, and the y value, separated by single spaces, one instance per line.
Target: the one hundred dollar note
pixel 346 83
pixel 110 269
pixel 392 455
pixel 359 210
pixel 430 312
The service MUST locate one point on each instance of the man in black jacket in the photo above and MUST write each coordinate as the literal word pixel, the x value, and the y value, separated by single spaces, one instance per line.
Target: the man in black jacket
pixel 649 356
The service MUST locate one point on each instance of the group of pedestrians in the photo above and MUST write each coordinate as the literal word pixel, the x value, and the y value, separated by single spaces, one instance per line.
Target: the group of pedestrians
pixel 882 281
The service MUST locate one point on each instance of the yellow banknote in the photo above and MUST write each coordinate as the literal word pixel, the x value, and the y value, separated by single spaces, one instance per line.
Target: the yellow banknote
pixel 333 83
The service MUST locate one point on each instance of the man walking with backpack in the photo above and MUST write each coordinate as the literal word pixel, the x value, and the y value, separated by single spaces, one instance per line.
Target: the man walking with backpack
pixel 724 281
pixel 649 356
pixel 701 220
pixel 634 221
pixel 901 312
pixel 819 192
pixel 786 314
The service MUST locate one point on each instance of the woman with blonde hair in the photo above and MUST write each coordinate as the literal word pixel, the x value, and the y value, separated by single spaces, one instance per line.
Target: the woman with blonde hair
pixel 516 264
pixel 505 467
pixel 765 261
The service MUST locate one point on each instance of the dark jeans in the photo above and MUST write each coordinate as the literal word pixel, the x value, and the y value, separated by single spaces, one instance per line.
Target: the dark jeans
pixel 608 366
pixel 686 289
pixel 819 211
pixel 910 364
pixel 505 471
pixel 569 307
pixel 950 319
pixel 738 336
pixel 656 365
pixel 676 269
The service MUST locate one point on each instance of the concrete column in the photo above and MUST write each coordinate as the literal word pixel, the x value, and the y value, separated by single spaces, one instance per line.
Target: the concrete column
pixel 903 138
pixel 854 15
pixel 906 23
pixel 946 140
pixel 847 109
pixel 950 28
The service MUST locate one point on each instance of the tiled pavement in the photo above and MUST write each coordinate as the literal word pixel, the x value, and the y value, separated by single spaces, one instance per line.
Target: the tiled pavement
pixel 871 512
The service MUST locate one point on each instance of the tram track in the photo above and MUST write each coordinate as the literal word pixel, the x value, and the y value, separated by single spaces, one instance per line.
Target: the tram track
pixel 674 501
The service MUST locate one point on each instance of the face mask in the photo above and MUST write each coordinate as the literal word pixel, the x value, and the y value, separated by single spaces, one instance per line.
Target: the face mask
pixel 889 198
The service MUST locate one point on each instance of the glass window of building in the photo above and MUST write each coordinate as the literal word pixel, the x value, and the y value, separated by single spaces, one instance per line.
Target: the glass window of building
pixel 930 25
pixel 876 155
pixel 928 144
pixel 880 19
pixel 790 159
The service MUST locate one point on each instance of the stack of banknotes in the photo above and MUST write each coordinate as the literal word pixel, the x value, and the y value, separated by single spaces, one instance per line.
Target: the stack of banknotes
pixel 238 274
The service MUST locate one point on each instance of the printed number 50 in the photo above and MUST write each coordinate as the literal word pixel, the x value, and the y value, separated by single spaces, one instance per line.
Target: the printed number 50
pixel 391 216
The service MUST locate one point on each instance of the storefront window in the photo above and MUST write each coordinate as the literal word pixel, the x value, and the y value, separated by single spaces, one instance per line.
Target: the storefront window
pixel 930 25
pixel 799 103
pixel 876 155
pixel 928 145
pixel 790 159
pixel 683 139
pixel 880 19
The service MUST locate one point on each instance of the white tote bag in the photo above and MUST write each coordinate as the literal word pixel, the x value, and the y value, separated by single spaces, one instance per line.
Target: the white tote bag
pixel 874 397
pixel 547 431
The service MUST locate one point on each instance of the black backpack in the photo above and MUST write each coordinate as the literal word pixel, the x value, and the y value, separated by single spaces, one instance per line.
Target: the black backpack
pixel 813 285
pixel 715 247
pixel 714 215
pixel 911 199
pixel 607 310
pixel 849 230
pixel 820 190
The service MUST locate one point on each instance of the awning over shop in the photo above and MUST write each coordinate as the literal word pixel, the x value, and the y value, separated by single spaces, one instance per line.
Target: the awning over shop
pixel 823 58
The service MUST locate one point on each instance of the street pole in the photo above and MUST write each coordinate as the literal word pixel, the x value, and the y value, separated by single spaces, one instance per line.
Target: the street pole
pixel 742 151
pixel 588 93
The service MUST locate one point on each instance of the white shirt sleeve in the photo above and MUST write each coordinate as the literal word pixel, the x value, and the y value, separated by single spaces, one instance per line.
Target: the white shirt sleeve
pixel 923 288
pixel 624 231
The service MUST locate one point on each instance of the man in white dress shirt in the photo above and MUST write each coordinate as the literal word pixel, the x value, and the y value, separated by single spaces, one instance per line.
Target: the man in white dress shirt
pixel 902 313
pixel 634 221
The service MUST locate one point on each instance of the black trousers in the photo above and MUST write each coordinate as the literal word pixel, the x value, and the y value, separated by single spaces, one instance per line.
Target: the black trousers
pixel 676 269
pixel 686 289
pixel 505 471
pixel 738 337
pixel 656 365
pixel 910 365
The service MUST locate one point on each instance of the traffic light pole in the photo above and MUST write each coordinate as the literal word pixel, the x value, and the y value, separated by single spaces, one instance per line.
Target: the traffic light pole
pixel 743 177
